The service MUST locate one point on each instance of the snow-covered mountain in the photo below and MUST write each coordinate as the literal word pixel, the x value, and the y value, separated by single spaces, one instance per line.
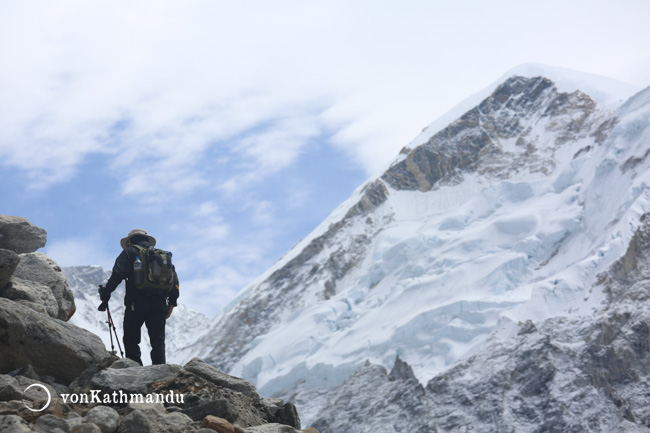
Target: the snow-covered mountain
pixel 486 257
pixel 183 327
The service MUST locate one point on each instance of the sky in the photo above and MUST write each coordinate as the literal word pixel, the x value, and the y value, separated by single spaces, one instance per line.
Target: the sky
pixel 230 130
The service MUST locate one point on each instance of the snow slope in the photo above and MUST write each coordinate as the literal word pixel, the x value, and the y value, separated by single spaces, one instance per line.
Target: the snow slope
pixel 508 212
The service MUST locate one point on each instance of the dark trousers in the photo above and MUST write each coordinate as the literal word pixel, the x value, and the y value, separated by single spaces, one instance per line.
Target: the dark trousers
pixel 155 321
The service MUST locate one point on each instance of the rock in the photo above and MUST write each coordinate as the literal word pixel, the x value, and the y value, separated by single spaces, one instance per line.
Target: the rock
pixel 135 422
pixel 124 363
pixel 271 428
pixel 40 268
pixel 151 420
pixel 10 389
pixel 27 376
pixel 309 430
pixel 19 235
pixel 174 422
pixel 56 407
pixel 288 416
pixel 13 424
pixel 75 419
pixel 85 428
pixel 272 405
pixel 217 424
pixel 200 396
pixel 155 407
pixel 133 380
pixel 106 418
pixel 51 424
pixel 401 371
pixel 8 262
pixel 83 382
pixel 53 348
pixel 11 407
pixel 220 408
pixel 38 296
pixel 212 374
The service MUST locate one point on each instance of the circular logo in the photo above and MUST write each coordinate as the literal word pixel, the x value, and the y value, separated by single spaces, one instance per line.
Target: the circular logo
pixel 29 404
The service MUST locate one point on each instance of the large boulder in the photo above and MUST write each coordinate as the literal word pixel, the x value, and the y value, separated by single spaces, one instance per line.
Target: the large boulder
pixel 214 375
pixel 8 263
pixel 54 348
pixel 39 268
pixel 133 380
pixel 19 235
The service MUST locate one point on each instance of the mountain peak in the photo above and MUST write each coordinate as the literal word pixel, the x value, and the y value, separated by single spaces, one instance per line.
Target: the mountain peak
pixel 514 111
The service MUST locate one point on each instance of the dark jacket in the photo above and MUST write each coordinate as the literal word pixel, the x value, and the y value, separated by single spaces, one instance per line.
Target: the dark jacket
pixel 123 270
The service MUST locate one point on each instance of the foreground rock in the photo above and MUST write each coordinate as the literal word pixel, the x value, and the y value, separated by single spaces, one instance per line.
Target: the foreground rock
pixel 28 277
pixel 19 235
pixel 54 348
pixel 113 396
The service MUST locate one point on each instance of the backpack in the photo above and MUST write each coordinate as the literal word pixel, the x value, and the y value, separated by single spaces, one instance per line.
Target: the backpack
pixel 155 273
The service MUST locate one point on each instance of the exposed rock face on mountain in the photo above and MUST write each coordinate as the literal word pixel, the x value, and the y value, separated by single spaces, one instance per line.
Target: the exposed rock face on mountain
pixel 481 258
pixel 475 142
pixel 57 377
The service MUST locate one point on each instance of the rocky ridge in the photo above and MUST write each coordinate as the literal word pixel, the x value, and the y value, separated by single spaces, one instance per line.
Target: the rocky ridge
pixel 57 377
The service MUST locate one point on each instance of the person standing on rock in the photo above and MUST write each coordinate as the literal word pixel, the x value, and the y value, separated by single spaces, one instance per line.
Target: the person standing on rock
pixel 151 292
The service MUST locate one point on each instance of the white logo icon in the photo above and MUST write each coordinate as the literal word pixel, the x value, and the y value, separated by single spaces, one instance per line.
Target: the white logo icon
pixel 29 405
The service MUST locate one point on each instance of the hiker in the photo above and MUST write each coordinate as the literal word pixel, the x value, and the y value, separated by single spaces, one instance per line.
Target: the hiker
pixel 146 301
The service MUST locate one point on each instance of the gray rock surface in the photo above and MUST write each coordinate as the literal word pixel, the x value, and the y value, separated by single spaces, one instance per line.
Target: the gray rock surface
pixel 13 424
pixel 39 268
pixel 39 297
pixel 136 422
pixel 106 418
pixel 51 424
pixel 136 380
pixel 214 375
pixel 85 428
pixel 19 235
pixel 124 363
pixel 474 142
pixel 271 428
pixel 8 263
pixel 54 348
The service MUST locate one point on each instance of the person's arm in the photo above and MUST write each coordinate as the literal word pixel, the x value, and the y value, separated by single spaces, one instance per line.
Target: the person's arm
pixel 173 296
pixel 121 270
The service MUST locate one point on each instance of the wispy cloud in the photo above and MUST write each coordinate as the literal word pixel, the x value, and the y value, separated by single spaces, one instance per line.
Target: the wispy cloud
pixel 190 76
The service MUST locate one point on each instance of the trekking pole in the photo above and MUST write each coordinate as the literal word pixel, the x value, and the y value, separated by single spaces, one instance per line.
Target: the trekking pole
pixel 111 324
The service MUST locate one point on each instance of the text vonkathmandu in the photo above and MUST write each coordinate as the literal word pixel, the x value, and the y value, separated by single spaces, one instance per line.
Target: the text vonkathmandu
pixel 121 397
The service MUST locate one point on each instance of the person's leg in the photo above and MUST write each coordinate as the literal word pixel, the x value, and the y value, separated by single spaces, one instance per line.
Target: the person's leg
pixel 133 321
pixel 156 327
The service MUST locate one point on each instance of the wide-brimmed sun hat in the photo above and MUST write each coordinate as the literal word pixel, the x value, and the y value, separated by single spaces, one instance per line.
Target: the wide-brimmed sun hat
pixel 137 232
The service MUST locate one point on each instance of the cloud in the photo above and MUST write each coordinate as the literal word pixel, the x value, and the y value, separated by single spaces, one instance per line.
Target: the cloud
pixel 73 252
pixel 194 76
